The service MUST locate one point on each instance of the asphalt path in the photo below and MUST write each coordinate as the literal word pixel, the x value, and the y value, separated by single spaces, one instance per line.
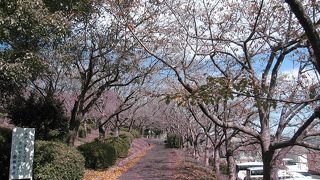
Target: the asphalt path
pixel 159 163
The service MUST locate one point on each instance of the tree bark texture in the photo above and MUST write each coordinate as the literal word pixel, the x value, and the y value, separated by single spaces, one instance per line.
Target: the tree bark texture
pixel 216 160
pixel 309 28
pixel 231 166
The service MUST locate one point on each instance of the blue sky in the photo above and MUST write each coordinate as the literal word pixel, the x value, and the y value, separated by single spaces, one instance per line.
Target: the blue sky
pixel 289 65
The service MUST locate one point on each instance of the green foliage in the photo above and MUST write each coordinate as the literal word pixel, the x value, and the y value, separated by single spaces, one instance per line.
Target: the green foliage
pixel 224 169
pixel 25 27
pixel 215 90
pixel 157 132
pixel 5 135
pixel 5 149
pixel 44 114
pixel 121 145
pixel 79 8
pixel 54 160
pixel 27 23
pixel 98 155
pixel 146 132
pixel 28 26
pixel 174 141
pixel 135 133
pixel 124 129
pixel 82 133
pixel 14 75
pixel 126 135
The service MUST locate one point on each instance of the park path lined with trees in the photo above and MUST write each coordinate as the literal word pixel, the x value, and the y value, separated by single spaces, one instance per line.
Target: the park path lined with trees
pixel 161 163
pixel 228 78
pixel 151 159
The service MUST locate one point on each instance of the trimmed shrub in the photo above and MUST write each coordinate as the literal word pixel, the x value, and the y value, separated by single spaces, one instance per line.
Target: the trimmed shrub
pixel 54 160
pixel 135 133
pixel 111 133
pixel 120 144
pixel 5 150
pixel 126 135
pixel 98 155
pixel 174 141
pixel 82 133
pixel 124 129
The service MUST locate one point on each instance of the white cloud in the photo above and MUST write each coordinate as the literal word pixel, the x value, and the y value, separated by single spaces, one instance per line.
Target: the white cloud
pixel 308 78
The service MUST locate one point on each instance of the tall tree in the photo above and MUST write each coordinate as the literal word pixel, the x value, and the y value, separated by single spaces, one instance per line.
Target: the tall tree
pixel 26 27
pixel 103 56
pixel 310 26
pixel 210 37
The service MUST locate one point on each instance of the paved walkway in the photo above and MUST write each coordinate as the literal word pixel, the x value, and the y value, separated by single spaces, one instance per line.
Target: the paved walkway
pixel 159 163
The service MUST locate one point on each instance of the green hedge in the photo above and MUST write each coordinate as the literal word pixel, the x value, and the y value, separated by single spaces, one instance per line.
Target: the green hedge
pixel 135 133
pixel 121 145
pixel 124 129
pixel 126 135
pixel 174 141
pixel 54 160
pixel 5 150
pixel 98 155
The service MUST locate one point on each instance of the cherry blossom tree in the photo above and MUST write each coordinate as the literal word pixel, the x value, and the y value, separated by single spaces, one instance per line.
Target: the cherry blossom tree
pixel 310 25
pixel 252 40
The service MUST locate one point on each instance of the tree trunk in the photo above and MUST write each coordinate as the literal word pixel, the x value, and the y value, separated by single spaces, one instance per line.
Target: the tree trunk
pixel 206 153
pixel 116 130
pixel 229 153
pixel 308 26
pixel 72 136
pixel 131 125
pixel 74 124
pixel 268 170
pixel 74 132
pixel 142 131
pixel 102 131
pixel 216 159
pixel 231 165
pixel 195 147
pixel 195 152
pixel 191 139
pixel 188 146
